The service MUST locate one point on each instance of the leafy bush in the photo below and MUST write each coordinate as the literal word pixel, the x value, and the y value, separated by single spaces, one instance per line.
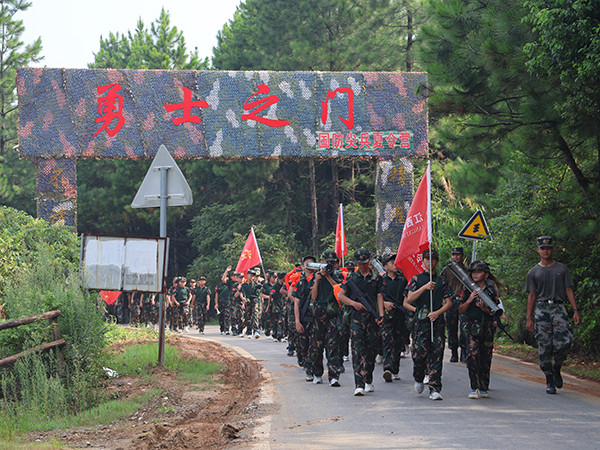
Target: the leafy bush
pixel 39 274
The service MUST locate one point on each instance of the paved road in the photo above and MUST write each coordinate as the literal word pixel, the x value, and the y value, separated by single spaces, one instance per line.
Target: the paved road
pixel 518 414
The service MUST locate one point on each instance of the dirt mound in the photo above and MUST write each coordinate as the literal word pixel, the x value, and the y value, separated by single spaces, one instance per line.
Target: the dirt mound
pixel 183 416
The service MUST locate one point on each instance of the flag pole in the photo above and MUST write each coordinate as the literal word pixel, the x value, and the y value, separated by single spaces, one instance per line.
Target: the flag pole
pixel 430 239
pixel 259 256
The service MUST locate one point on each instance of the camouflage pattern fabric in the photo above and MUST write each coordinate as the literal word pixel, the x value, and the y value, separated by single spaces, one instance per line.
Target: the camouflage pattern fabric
pixel 553 333
pixel 479 353
pixel 364 336
pixel 325 336
pixel 427 354
pixel 392 335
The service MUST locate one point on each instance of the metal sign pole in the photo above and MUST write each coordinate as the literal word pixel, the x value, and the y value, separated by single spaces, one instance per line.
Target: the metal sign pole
pixel 163 233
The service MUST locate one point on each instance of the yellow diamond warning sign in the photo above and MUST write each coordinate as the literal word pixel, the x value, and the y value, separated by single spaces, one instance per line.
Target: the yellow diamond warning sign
pixel 476 228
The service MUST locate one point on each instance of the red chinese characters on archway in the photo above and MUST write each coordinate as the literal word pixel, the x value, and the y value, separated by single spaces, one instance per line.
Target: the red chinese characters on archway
pixel 110 107
pixel 186 106
pixel 257 106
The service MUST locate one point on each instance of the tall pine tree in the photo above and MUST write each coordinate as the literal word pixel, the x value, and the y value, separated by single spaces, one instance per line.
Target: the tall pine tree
pixel 17 177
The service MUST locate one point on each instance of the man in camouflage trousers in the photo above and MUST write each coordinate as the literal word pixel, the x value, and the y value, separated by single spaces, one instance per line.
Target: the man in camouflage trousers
pixel 455 335
pixel 427 353
pixel 325 329
pixel 250 295
pixel 363 325
pixel 550 286
pixel 393 329
pixel 277 307
pixel 303 316
pixel 201 303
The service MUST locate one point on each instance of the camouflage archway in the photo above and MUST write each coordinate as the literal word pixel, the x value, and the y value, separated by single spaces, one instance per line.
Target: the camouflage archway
pixel 70 114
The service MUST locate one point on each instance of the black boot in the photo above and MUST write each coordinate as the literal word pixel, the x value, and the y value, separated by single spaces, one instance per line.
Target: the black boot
pixel 558 381
pixel 463 355
pixel 550 386
pixel 454 357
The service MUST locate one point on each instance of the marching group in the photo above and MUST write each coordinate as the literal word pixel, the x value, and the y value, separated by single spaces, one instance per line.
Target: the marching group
pixel 369 311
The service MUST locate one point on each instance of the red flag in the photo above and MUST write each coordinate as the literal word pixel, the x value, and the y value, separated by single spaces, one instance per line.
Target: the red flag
pixel 109 296
pixel 417 235
pixel 250 256
pixel 340 236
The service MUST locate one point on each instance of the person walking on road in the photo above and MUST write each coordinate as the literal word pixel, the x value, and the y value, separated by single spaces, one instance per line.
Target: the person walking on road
pixel 550 287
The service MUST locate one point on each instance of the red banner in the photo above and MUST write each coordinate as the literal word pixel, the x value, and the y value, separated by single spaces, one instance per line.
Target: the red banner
pixel 250 256
pixel 340 236
pixel 417 235
pixel 109 296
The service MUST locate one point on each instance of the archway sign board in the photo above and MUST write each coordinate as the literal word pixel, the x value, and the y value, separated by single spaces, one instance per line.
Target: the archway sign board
pixel 71 114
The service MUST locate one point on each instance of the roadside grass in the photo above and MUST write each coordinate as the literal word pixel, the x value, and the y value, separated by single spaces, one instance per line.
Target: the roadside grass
pixel 574 364
pixel 137 359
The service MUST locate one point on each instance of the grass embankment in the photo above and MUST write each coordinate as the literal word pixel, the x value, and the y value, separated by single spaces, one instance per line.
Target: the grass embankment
pixel 575 365
pixel 130 354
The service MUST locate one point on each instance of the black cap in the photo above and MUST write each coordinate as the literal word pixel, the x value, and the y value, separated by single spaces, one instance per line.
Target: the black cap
pixel 456 251
pixel 434 254
pixel 544 241
pixel 307 257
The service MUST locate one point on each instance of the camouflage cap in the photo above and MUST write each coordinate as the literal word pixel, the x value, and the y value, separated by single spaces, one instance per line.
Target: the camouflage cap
pixel 202 278
pixel 457 251
pixel 544 241
pixel 330 256
pixel 433 253
pixel 479 265
pixel 254 271
pixel 387 258
pixel 361 256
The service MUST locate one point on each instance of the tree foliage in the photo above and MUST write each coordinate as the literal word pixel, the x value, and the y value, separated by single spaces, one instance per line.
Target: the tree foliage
pixel 17 177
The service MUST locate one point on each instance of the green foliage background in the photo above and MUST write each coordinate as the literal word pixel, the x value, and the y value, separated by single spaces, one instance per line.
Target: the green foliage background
pixel 514 131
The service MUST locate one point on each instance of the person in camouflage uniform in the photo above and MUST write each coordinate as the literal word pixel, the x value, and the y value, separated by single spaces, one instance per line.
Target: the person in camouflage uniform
pixel 303 316
pixel 427 353
pixel 182 299
pixel 345 322
pixel 363 325
pixel 265 295
pixel 291 279
pixel 277 307
pixel 222 305
pixel 325 329
pixel 250 295
pixel 391 290
pixel 550 286
pixel 479 328
pixel 201 303
pixel 171 310
pixel 135 307
pixel 455 333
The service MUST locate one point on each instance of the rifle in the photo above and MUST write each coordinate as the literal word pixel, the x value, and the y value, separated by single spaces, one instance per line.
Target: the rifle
pixel 360 296
pixel 397 304
pixel 471 286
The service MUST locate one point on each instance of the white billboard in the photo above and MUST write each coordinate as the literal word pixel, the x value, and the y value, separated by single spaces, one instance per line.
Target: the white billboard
pixel 121 263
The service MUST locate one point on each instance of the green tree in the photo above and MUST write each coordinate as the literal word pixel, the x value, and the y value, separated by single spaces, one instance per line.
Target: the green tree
pixel 161 47
pixel 17 177
pixel 566 49
pixel 507 146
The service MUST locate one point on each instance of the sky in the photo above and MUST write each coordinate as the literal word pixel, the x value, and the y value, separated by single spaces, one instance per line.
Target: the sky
pixel 71 29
